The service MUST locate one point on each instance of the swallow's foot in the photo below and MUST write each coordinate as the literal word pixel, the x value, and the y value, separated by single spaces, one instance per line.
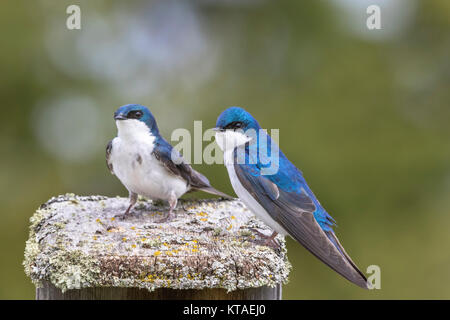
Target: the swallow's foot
pixel 133 200
pixel 167 218
pixel 259 233
pixel 271 243
pixel 173 203
pixel 123 216
pixel 268 241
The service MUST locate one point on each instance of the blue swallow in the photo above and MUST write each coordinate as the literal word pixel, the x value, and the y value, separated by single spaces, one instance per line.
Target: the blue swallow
pixel 146 164
pixel 281 197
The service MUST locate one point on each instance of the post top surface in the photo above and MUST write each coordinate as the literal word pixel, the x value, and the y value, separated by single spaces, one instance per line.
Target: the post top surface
pixel 78 242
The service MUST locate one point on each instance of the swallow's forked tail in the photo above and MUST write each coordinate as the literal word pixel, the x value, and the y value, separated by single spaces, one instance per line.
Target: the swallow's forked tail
pixel 362 281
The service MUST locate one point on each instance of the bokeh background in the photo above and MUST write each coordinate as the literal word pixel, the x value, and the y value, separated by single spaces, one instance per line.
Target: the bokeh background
pixel 365 115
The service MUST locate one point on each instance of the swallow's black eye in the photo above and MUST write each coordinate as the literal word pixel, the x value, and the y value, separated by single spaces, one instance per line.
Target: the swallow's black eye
pixel 135 114
pixel 234 125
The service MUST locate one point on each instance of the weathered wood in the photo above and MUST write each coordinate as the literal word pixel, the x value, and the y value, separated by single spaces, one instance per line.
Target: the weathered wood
pixel 50 292
pixel 81 248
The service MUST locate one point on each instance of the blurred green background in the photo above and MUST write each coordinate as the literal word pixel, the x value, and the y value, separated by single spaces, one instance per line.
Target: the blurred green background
pixel 365 115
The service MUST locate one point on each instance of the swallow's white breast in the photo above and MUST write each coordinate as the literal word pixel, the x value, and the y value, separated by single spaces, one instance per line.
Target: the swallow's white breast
pixel 247 198
pixel 135 166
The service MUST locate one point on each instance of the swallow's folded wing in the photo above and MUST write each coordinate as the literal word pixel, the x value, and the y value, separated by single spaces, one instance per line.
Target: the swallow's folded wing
pixel 108 156
pixel 294 212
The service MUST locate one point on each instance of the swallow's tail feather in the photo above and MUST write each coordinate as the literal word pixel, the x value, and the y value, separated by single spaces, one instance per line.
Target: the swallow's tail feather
pixel 216 192
pixel 337 244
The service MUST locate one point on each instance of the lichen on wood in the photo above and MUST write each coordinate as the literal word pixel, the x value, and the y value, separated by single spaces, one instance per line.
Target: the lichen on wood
pixel 80 242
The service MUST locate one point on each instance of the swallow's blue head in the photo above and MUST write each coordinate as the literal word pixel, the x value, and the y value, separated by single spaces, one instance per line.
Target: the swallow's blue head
pixel 235 127
pixel 134 118
pixel 235 118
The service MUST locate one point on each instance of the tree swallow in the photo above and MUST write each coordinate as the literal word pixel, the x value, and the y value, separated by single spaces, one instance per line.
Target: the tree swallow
pixel 282 199
pixel 146 164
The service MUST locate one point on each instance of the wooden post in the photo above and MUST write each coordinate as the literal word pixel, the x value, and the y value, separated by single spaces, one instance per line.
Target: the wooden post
pixel 81 248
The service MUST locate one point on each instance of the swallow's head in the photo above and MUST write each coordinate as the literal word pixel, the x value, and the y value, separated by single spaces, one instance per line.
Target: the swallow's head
pixel 134 118
pixel 235 127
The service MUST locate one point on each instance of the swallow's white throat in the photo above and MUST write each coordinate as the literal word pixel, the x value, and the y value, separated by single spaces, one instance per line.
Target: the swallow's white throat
pixel 229 139
pixel 132 129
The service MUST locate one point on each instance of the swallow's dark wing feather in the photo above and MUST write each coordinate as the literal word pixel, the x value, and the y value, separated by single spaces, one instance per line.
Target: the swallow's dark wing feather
pixel 295 213
pixel 108 155
pixel 175 164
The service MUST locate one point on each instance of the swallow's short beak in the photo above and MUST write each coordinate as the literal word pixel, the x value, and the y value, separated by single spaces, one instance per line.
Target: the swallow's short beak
pixel 217 129
pixel 120 116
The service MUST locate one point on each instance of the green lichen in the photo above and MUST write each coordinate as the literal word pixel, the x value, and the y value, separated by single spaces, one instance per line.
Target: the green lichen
pixel 72 270
pixel 76 242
